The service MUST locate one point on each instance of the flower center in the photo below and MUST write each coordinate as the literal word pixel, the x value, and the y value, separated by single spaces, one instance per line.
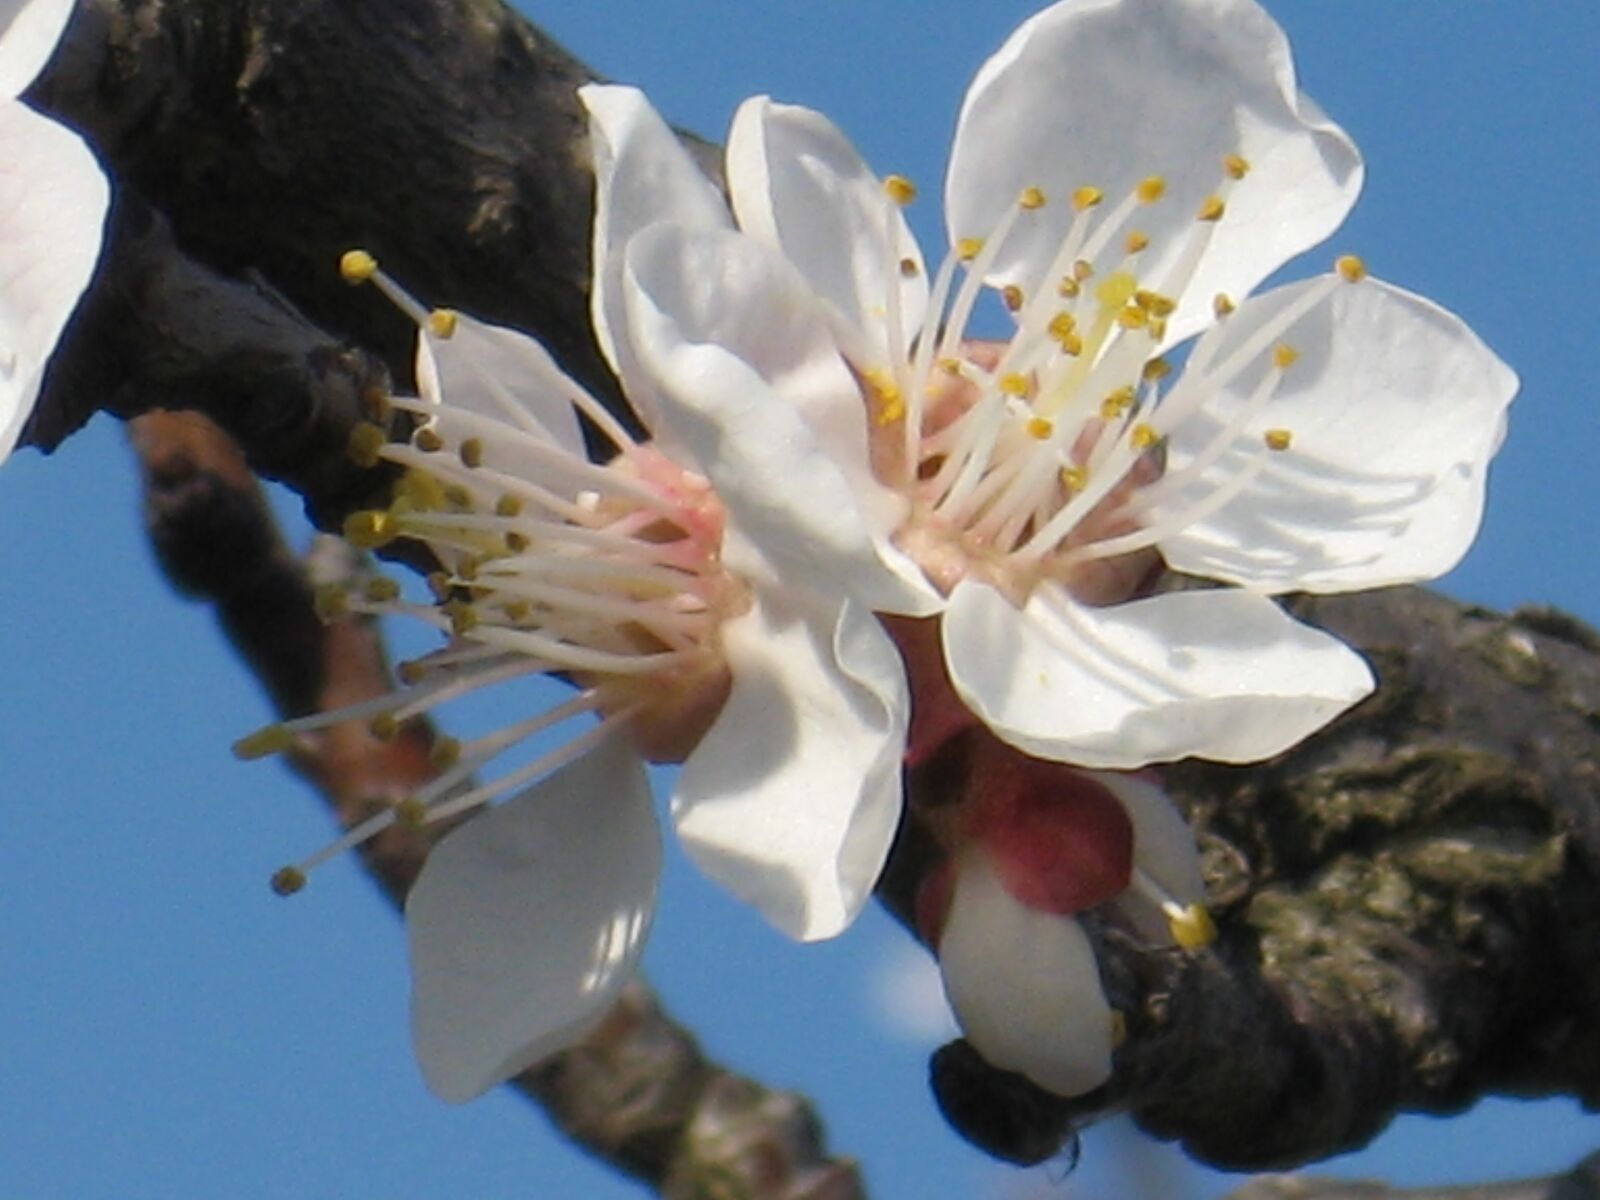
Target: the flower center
pixel 1042 457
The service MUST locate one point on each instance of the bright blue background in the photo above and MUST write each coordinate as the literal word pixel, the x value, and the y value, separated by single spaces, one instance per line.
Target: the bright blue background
pixel 169 1028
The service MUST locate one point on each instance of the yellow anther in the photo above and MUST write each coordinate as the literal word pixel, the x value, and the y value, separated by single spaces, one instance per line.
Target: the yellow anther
pixel 1222 305
pixel 1075 478
pixel 1278 439
pixel 384 727
pixel 330 602
pixel 508 506
pixel 1150 189
pixel 1116 289
pixel 1068 287
pixel 1119 1028
pixel 1192 927
pixel 268 740
pixel 1082 269
pixel 1142 437
pixel 1156 369
pixel 357 266
pixel 467 567
pixel 427 440
pixel 884 393
pixel 1133 317
pixel 1211 209
pixel 444 753
pixel 1040 428
pixel 463 617
pixel 950 366
pixel 1011 297
pixel 1086 198
pixel 371 528
pixel 1284 356
pixel 1158 329
pixel 365 445
pixel 1031 198
pixel 1116 403
pixel 410 814
pixel 909 268
pixel 1014 383
pixel 471 452
pixel 411 672
pixel 421 490
pixel 1235 166
pixel 1071 345
pixel 380 589
pixel 1351 269
pixel 968 248
pixel 1136 241
pixel 899 189
pixel 516 541
pixel 286 881
pixel 1062 324
pixel 442 322
pixel 517 611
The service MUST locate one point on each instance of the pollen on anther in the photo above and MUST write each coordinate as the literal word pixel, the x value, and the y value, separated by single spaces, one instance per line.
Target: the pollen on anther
pixel 286 881
pixel 1156 369
pixel 1150 189
pixel 427 440
pixel 1222 305
pixel 357 266
pixel 463 617
pixel 442 322
pixel 1082 270
pixel 508 506
pixel 968 248
pixel 370 528
pixel 1040 428
pixel 1061 326
pixel 471 451
pixel 516 541
pixel 1068 288
pixel 909 268
pixel 1284 356
pixel 1116 403
pixel 885 394
pixel 1011 296
pixel 380 589
pixel 330 602
pixel 1211 209
pixel 444 753
pixel 384 727
pixel 1075 478
pixel 1142 437
pixel 1351 269
pixel 1086 198
pixel 1192 927
pixel 411 672
pixel 1013 383
pixel 269 740
pixel 1136 241
pixel 1235 165
pixel 1133 317
pixel 366 440
pixel 1278 439
pixel 1155 303
pixel 411 814
pixel 899 189
pixel 1031 198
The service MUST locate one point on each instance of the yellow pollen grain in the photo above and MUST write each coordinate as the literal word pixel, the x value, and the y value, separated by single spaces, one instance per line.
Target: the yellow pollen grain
pixel 1040 428
pixel 1011 297
pixel 1086 198
pixel 1142 437
pixel 286 881
pixel 508 506
pixel 1031 198
pixel 1013 383
pixel 1284 356
pixel 1150 189
pixel 968 248
pixel 516 542
pixel 444 753
pixel 1211 209
pixel 885 395
pixel 382 590
pixel 1222 305
pixel 1061 327
pixel 909 268
pixel 366 443
pixel 427 440
pixel 1075 478
pixel 1071 345
pixel 1351 269
pixel 357 266
pixel 442 322
pixel 411 814
pixel 1068 288
pixel 899 189
pixel 1082 269
pixel 1133 317
pixel 411 672
pixel 268 740
pixel 384 727
pixel 1136 241
pixel 1278 439
pixel 1116 403
pixel 1193 928
pixel 471 452
pixel 1156 369
pixel 370 528
pixel 1235 166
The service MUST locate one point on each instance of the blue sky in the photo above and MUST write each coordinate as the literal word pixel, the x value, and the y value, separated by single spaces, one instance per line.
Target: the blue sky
pixel 168 1027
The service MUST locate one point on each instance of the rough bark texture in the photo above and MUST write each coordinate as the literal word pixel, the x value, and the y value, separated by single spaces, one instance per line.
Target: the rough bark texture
pixel 1408 902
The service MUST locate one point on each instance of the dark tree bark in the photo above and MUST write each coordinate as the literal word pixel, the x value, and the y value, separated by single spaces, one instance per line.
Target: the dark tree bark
pixel 1408 902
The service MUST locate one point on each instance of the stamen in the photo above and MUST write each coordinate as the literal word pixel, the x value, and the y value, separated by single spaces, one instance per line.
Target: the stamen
pixel 899 189
pixel 1350 268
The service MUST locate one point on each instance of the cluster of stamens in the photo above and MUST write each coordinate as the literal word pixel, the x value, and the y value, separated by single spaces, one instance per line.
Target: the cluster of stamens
pixel 1030 459
pixel 607 575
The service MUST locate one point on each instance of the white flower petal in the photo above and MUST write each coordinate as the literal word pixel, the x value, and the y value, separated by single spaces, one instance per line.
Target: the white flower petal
pixel 792 798
pixel 526 922
pixel 1222 674
pixel 1395 409
pixel 53 199
pixel 499 373
pixel 1104 93
pixel 1163 848
pixel 29 32
pixel 798 184
pixel 1025 986
pixel 755 394
pixel 642 175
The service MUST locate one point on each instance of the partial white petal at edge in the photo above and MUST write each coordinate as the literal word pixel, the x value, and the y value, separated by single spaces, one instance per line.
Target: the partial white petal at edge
pixel 792 798
pixel 1222 674
pixel 29 32
pixel 527 921
pixel 1024 985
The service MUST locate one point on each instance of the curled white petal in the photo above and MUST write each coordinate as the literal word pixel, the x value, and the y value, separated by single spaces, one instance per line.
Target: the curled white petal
pixel 53 199
pixel 29 31
pixel 1222 674
pixel 1024 985
pixel 1394 407
pixel 1104 93
pixel 791 799
pixel 526 922
pixel 1163 848
pixel 797 183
